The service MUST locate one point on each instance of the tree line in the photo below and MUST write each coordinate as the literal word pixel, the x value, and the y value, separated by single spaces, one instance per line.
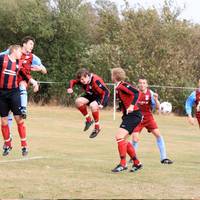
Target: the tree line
pixel 71 34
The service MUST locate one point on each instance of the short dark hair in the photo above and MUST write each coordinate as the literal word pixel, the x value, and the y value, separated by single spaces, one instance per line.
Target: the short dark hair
pixel 82 72
pixel 26 39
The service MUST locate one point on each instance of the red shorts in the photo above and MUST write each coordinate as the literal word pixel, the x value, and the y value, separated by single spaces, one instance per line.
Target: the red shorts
pixel 148 122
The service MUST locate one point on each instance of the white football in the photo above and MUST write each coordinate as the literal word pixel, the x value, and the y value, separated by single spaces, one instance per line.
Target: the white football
pixel 165 107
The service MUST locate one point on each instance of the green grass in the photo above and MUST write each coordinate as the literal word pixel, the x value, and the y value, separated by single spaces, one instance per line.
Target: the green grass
pixel 74 166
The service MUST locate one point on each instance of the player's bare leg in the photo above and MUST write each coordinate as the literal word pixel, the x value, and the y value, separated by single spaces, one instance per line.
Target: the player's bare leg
pixel 81 105
pixel 22 134
pixel 161 146
pixel 95 113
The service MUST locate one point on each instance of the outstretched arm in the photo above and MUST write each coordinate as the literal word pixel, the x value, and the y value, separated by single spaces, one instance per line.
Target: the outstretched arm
pixel 37 65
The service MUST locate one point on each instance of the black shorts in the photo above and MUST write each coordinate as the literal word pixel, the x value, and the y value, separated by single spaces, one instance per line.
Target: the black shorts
pixel 10 101
pixel 131 120
pixel 92 98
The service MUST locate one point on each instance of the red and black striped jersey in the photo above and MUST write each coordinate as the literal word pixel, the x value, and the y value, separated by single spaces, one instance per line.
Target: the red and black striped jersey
pixel 96 86
pixel 127 95
pixel 9 72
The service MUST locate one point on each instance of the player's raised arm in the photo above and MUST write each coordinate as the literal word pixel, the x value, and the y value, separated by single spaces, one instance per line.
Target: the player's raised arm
pixel 155 103
pixel 188 106
pixel 5 52
pixel 37 65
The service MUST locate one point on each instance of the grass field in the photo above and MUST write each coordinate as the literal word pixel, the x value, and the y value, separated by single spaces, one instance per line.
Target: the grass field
pixel 64 163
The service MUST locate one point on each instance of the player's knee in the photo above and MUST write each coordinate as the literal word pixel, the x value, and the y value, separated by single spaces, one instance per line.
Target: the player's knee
pixel 19 119
pixel 156 133
pixel 4 121
pixel 94 106
pixel 135 139
pixel 78 102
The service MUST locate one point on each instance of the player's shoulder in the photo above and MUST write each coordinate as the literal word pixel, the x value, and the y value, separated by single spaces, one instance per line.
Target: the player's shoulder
pixel 2 56
pixel 97 78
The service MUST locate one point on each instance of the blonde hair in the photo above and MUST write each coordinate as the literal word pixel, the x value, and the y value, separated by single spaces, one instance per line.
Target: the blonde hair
pixel 14 47
pixel 118 73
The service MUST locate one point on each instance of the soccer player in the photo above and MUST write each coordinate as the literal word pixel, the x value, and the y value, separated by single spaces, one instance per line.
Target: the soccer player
pixel 30 62
pixel 96 96
pixel 128 96
pixel 10 67
pixel 147 102
pixel 193 100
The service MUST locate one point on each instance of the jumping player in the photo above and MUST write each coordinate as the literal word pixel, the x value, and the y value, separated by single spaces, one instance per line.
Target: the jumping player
pixel 96 96
pixel 147 102
pixel 128 96
pixel 193 100
pixel 10 68
pixel 30 62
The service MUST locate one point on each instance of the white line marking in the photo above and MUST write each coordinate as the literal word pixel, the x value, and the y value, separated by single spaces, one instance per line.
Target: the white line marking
pixel 23 159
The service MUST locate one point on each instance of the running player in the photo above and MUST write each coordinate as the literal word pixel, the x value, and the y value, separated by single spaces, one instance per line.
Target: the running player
pixel 193 100
pixel 147 102
pixel 96 96
pixel 128 96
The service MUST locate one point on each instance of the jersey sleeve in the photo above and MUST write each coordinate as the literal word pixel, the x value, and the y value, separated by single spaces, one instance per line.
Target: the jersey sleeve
pixel 190 102
pixel 131 91
pixel 36 62
pixel 5 52
pixel 103 91
pixel 72 83
pixel 153 102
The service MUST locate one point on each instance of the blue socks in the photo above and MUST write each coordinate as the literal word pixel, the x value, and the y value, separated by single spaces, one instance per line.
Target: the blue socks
pixel 23 95
pixel 161 146
pixel 10 120
pixel 135 145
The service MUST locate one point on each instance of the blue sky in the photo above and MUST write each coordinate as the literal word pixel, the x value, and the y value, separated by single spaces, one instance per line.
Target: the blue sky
pixel 190 12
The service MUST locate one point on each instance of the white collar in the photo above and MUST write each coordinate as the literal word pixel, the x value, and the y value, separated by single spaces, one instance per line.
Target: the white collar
pixel 91 75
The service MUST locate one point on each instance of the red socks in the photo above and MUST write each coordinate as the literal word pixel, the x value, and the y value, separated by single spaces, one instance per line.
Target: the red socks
pixel 122 148
pixel 83 110
pixel 6 135
pixel 126 147
pixel 22 134
pixel 132 154
pixel 96 119
pixel 95 114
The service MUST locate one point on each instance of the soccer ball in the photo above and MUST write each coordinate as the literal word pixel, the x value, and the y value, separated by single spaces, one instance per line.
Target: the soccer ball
pixel 165 107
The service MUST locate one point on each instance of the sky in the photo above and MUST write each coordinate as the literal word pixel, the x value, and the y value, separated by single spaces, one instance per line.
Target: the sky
pixel 191 8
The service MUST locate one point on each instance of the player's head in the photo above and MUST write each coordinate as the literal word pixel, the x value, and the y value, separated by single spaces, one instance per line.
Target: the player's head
pixel 16 51
pixel 142 84
pixel 28 43
pixel 83 75
pixel 118 74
